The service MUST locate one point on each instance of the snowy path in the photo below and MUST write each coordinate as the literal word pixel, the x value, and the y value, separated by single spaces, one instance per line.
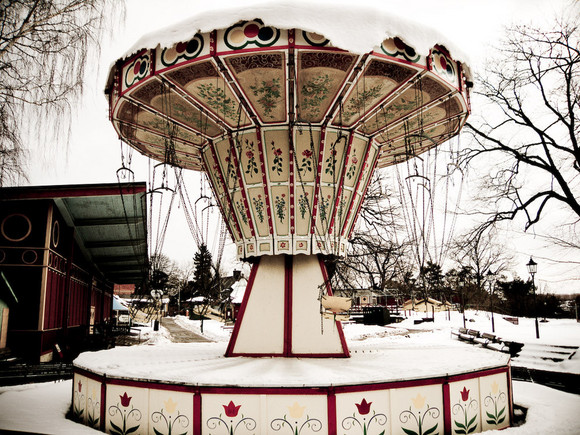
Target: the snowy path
pixel 181 335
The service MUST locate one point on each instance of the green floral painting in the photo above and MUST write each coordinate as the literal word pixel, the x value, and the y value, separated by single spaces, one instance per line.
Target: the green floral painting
pixel 268 94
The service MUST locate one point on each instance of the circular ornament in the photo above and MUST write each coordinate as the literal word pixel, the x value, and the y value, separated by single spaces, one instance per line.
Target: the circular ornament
pixel 29 256
pixel 16 227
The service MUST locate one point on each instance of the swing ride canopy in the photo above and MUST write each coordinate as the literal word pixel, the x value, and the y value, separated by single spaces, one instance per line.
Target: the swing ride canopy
pixel 289 124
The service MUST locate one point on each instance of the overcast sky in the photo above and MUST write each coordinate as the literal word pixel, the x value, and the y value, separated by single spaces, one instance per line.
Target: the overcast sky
pixel 93 155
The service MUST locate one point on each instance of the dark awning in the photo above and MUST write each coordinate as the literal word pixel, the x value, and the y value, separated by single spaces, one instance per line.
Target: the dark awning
pixel 110 222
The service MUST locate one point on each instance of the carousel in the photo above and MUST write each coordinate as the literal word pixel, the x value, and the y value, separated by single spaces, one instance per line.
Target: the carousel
pixel 289 128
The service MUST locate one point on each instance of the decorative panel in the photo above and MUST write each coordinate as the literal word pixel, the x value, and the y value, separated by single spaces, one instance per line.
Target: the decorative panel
pixel 247 35
pixel 170 412
pixel 417 410
pixel 366 412
pixel 465 406
pixel 494 401
pixel 262 78
pixel 296 414
pixel 396 47
pixel 320 77
pixel 380 79
pixel 136 70
pixel 182 52
pixel 231 413
pixel 79 398
pixel 127 409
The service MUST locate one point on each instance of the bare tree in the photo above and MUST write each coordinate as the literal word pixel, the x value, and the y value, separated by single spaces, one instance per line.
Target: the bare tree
pixel 375 251
pixel 532 135
pixel 44 48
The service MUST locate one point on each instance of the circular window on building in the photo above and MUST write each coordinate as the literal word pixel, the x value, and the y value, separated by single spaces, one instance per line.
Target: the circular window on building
pixel 16 227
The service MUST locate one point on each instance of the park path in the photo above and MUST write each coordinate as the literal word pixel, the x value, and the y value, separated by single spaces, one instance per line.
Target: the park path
pixel 181 335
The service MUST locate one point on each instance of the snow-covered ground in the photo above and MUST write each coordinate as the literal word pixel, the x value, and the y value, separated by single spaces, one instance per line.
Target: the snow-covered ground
pixel 40 408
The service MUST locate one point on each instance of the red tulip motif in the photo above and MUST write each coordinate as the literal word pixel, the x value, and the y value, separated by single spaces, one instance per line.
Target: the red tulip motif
pixel 464 394
pixel 125 400
pixel 364 407
pixel 231 409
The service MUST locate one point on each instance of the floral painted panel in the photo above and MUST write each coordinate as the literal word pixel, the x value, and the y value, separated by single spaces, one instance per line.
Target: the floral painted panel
pixel 303 203
pixel 93 410
pixel 465 406
pixel 342 210
pixel 320 77
pixel 281 205
pixel 242 213
pixel 380 79
pixel 297 415
pixel 262 77
pixel 142 118
pixel 258 205
pixel 365 413
pixel 228 161
pixel 419 94
pixel 307 145
pixel 154 94
pixel 230 414
pixel 494 400
pixel 249 157
pixel 445 109
pixel 277 155
pixel 170 412
pixel 417 410
pixel 79 400
pixel 335 146
pixel 355 161
pixel 326 198
pixel 127 410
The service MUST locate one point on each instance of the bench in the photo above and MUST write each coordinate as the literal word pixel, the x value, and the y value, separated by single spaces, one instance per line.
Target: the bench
pixel 512 347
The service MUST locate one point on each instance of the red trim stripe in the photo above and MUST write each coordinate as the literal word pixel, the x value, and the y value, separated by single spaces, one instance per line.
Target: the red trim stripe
pixel 446 408
pixel 197 413
pixel 331 410
pixel 240 319
pixel 288 289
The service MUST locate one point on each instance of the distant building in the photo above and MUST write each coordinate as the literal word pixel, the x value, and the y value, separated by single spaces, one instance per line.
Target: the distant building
pixel 431 305
pixel 61 250
pixel 124 291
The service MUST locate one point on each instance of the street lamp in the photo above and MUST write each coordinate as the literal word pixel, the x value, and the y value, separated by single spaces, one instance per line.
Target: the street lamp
pixel 532 269
pixel 490 277
pixel 461 285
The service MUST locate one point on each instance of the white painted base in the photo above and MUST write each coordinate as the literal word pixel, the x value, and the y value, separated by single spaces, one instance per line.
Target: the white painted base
pixel 280 314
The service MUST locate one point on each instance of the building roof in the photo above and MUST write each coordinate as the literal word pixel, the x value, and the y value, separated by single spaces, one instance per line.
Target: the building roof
pixel 110 222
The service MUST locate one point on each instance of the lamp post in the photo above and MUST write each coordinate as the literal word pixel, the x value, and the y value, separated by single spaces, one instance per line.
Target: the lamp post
pixel 461 285
pixel 532 269
pixel 490 278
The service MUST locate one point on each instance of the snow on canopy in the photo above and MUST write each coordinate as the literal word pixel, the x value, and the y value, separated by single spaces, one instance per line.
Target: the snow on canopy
pixel 353 28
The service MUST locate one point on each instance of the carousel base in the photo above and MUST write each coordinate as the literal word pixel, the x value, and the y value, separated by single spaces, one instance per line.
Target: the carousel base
pixel 194 389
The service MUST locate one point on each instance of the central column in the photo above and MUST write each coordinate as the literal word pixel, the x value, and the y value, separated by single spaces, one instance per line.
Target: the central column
pixel 280 314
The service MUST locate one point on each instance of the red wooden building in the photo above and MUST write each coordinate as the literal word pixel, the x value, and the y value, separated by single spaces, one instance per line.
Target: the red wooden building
pixel 62 248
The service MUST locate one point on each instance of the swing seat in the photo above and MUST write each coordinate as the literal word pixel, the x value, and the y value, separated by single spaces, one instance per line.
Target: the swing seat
pixel 336 304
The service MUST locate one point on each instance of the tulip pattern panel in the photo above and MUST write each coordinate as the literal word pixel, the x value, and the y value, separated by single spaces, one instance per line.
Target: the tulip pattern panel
pixel 363 413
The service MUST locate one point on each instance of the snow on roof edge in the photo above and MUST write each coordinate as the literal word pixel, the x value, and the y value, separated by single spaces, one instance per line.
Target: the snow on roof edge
pixel 352 28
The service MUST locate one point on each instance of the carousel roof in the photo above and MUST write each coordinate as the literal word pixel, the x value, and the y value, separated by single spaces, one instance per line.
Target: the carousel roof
pixel 387 80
